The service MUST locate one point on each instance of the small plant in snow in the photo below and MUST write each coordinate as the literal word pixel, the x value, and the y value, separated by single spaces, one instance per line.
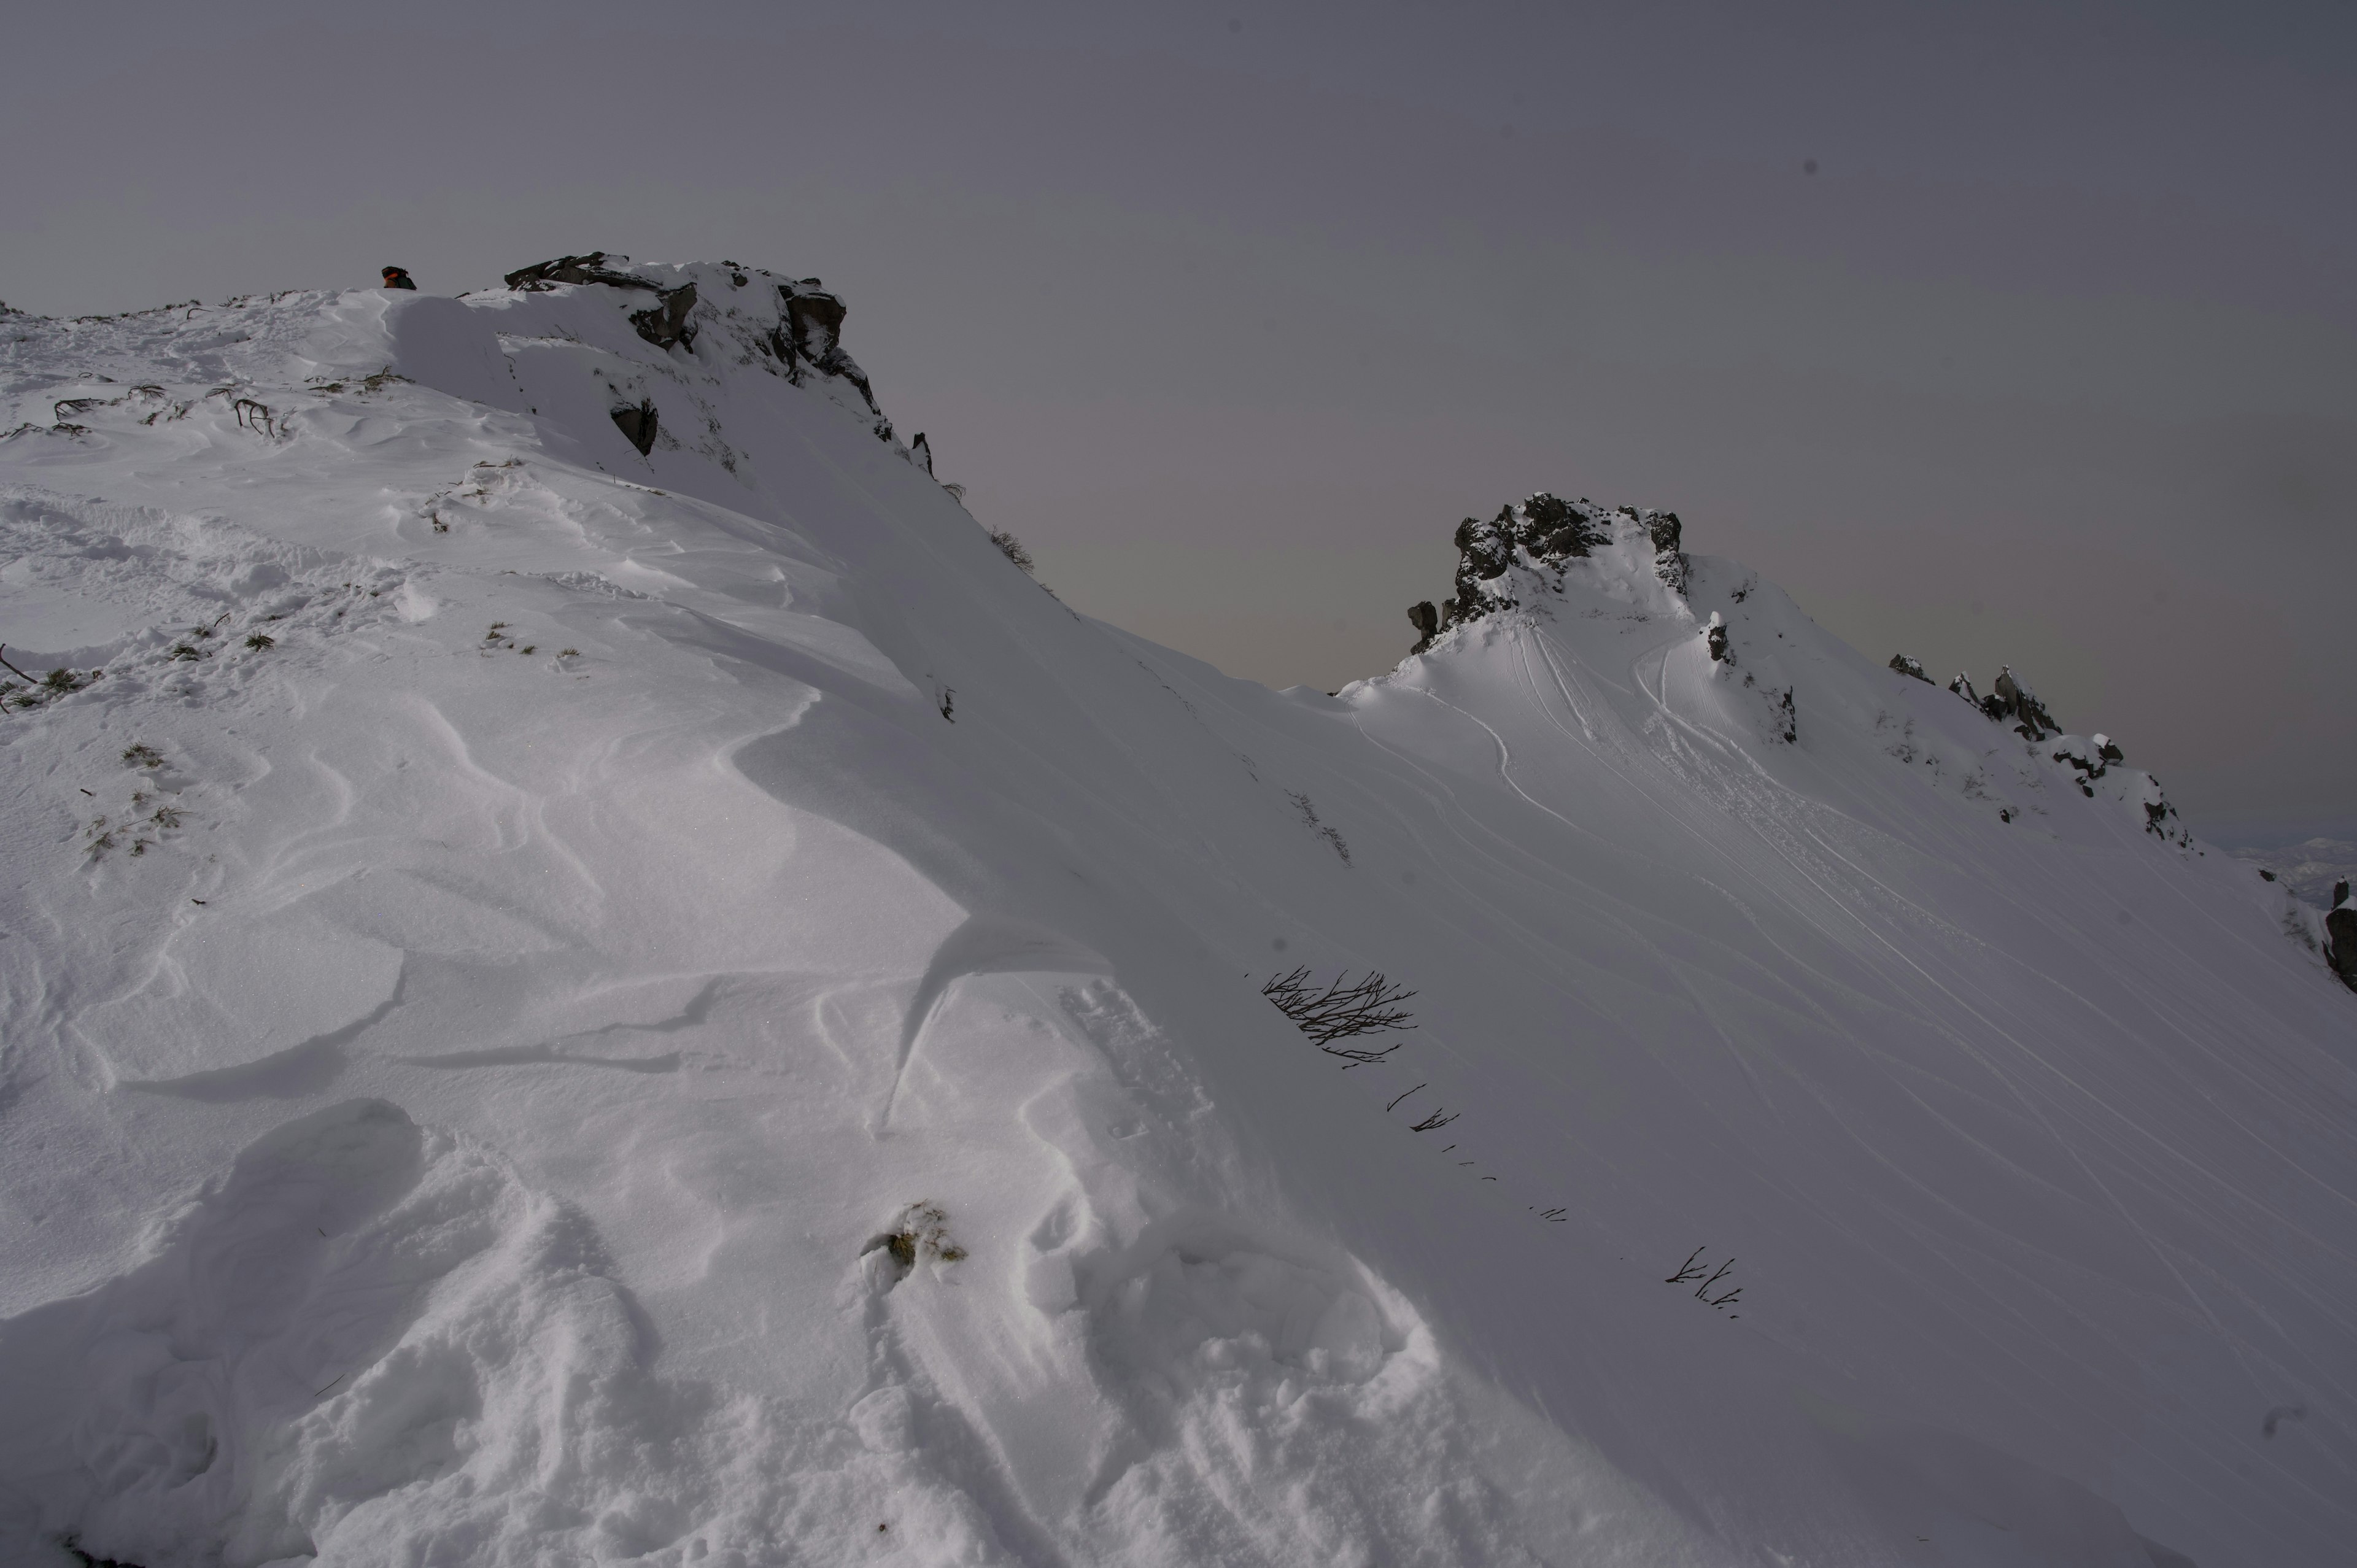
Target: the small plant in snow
pixel 1309 820
pixel 1342 1011
pixel 1012 548
pixel 1693 1269
pixel 260 640
pixel 922 1231
pixel 139 754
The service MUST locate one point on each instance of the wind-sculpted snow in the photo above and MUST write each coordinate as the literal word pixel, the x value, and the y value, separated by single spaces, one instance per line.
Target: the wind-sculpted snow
pixel 592 974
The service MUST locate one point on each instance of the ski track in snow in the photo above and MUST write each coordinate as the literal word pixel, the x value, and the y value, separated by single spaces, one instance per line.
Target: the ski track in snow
pixel 672 1007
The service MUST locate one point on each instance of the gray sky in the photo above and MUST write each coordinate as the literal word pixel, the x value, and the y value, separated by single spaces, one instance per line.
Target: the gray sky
pixel 1231 311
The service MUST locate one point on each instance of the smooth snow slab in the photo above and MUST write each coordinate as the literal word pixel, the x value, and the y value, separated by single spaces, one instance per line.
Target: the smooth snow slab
pixel 678 1009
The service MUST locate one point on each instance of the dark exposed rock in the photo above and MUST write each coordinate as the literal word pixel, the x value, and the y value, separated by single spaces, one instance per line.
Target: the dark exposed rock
pixel 921 452
pixel 666 324
pixel 816 321
pixel 591 268
pixel 2009 699
pixel 1907 666
pixel 2340 944
pixel 1669 560
pixel 2339 894
pixel 2019 704
pixel 1715 634
pixel 1551 532
pixel 637 423
pixel 812 335
pixel 2088 766
pixel 1426 621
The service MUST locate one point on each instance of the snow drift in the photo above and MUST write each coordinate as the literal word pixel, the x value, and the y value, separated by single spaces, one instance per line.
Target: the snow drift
pixel 590 973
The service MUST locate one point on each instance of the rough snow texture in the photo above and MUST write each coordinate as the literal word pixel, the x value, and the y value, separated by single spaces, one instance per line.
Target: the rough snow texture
pixel 561 1004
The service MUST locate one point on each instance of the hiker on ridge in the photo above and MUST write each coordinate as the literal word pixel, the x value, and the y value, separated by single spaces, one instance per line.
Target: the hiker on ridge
pixel 398 278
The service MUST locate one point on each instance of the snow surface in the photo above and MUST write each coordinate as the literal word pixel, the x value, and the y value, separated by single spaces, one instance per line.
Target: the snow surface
pixel 681 1010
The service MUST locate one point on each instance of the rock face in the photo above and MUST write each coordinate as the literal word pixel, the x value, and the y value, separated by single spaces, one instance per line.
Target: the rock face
pixel 1669 560
pixel 812 335
pixel 1426 621
pixel 2011 698
pixel 1907 666
pixel 591 268
pixel 638 423
pixel 666 324
pixel 706 315
pixel 2341 932
pixel 1544 535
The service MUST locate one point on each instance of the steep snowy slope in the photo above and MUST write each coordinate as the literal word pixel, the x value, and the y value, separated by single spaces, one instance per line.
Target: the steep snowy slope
pixel 600 978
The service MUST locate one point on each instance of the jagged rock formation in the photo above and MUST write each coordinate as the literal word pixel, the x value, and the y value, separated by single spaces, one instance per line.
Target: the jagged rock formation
pixel 2009 699
pixel 664 324
pixel 1542 535
pixel 1907 666
pixel 2090 758
pixel 752 316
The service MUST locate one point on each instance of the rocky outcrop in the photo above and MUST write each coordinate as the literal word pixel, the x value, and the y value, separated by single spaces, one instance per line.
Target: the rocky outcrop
pixel 2341 933
pixel 1907 666
pixel 723 312
pixel 2014 700
pixel 1669 559
pixel 1544 534
pixel 591 268
pixel 638 423
pixel 2010 701
pixel 1714 635
pixel 812 336
pixel 664 324
pixel 921 452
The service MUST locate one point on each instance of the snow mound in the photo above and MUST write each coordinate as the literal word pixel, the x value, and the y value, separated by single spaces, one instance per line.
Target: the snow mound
pixel 591 973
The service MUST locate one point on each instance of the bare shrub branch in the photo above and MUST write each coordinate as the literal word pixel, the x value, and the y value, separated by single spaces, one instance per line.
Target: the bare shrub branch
pixel 1342 1011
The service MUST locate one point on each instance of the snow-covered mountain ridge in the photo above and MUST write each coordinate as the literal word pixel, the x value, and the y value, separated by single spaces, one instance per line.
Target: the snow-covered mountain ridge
pixel 600 978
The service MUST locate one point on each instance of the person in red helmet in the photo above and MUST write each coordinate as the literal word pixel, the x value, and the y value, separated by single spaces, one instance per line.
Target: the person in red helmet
pixel 398 278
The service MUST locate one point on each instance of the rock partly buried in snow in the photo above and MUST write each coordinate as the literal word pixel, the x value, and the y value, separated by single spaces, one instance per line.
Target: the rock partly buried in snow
pixel 666 324
pixel 1907 666
pixel 638 423
pixel 2341 929
pixel 792 327
pixel 591 268
pixel 1527 547
pixel 2010 700
pixel 2016 702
